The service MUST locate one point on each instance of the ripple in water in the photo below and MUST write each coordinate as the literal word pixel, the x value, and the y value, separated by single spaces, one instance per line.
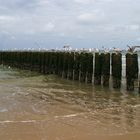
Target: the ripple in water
pixel 48 107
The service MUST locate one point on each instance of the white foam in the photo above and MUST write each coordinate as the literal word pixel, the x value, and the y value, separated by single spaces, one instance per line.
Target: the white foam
pixel 3 110
pixel 27 121
pixel 68 116
pixel 135 106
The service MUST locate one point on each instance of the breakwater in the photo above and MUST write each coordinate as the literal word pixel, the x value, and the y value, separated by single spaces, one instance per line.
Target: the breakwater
pixel 90 67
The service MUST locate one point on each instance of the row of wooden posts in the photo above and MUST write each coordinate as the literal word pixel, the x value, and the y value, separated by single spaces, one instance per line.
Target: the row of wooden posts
pixel 83 66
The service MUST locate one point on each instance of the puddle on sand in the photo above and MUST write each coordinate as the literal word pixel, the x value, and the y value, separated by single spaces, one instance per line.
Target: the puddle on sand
pixel 36 107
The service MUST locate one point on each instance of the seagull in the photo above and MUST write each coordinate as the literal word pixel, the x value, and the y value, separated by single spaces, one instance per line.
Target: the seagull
pixel 131 49
pixel 117 50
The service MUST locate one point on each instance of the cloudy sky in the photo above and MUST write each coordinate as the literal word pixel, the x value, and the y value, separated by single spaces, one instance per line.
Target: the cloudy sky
pixel 79 23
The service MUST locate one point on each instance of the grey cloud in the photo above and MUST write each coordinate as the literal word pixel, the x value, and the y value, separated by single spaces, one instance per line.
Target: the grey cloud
pixel 17 3
pixel 78 21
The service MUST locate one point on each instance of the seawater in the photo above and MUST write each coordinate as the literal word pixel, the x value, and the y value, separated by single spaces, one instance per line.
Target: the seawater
pixel 47 107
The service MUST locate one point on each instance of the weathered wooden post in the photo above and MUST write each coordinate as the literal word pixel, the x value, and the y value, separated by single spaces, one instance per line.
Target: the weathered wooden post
pixel 97 69
pixel 31 61
pixel 89 67
pixel 7 59
pixel 23 56
pixel 105 68
pixel 131 70
pixel 139 85
pixel 44 62
pixel 50 66
pixel 3 57
pixel 70 65
pixel 60 63
pixel 83 66
pixel 28 60
pixel 0 58
pixel 19 59
pixel 48 57
pixel 40 65
pixel 10 61
pixel 25 59
pixel 52 62
pixel 55 62
pixel 40 62
pixel 65 65
pixel 76 65
pixel 116 69
pixel 35 61
pixel 138 73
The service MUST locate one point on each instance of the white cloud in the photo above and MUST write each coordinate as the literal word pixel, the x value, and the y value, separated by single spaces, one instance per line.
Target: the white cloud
pixel 86 17
pixel 29 32
pixel 96 16
pixel 64 19
pixel 37 28
pixel 92 1
pixel 83 1
pixel 4 18
pixel 7 35
pixel 43 2
pixel 48 27
pixel 13 38
pixel 138 39
pixel 133 27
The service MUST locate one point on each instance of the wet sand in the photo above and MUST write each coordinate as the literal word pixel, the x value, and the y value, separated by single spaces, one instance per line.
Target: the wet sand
pixel 36 107
pixel 30 130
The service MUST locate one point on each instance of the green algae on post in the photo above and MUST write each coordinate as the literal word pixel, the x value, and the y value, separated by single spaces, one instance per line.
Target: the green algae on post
pixel 131 70
pixel 116 69
pixel 76 65
pixel 97 69
pixel 89 67
pixel 70 65
pixel 83 66
pixel 105 68
pixel 65 64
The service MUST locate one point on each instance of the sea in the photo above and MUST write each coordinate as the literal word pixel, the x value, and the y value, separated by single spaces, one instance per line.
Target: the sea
pixel 47 107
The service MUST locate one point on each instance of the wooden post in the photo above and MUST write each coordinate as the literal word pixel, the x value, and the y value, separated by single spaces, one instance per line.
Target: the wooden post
pixel 65 65
pixel 116 69
pixel 44 63
pixel 70 65
pixel 89 67
pixel 105 68
pixel 60 63
pixel 76 65
pixel 55 62
pixel 0 58
pixel 83 66
pixel 131 70
pixel 97 69
pixel 50 63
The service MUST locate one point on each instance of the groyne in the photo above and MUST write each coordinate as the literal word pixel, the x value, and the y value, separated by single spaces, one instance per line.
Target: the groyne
pixel 89 67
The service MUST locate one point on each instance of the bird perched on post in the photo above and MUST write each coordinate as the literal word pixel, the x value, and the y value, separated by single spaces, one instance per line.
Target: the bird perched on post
pixel 116 50
pixel 132 49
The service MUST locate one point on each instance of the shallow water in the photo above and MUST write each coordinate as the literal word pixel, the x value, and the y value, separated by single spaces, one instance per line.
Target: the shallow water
pixel 37 107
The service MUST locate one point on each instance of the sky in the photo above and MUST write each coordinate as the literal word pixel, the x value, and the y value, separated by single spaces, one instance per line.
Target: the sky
pixel 79 23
